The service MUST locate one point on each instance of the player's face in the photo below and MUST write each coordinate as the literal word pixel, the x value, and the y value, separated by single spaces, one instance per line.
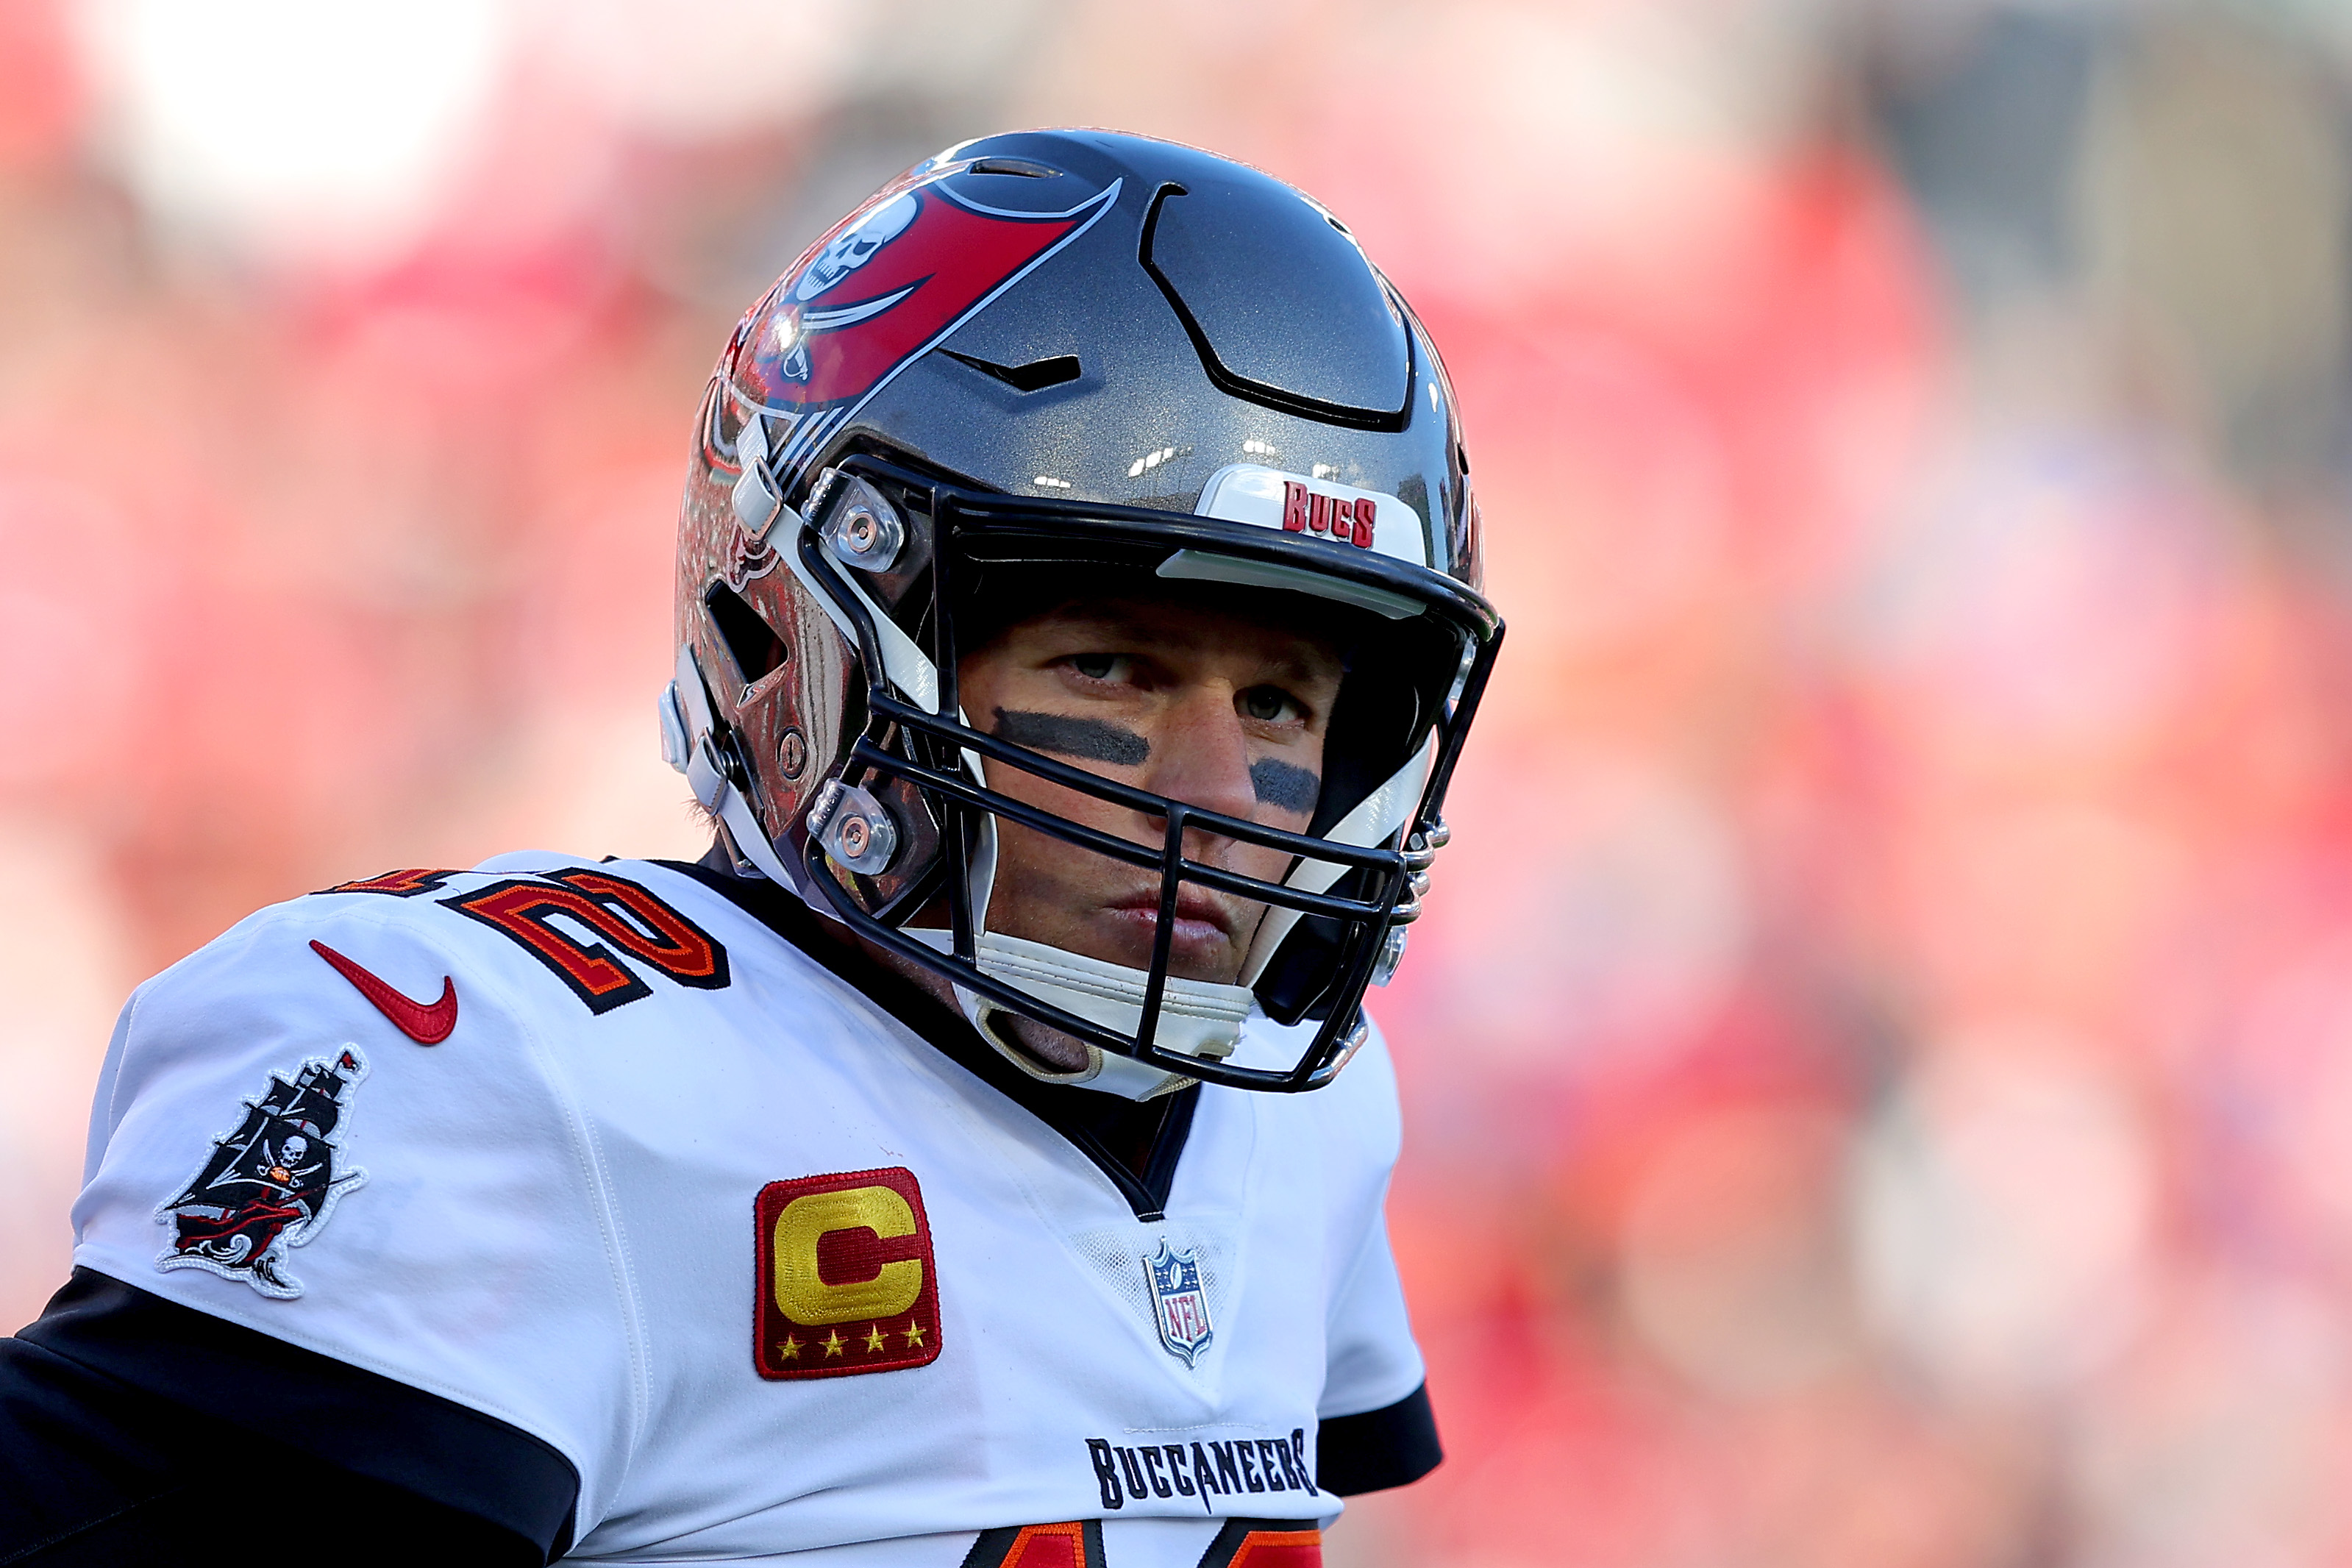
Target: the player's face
pixel 1198 705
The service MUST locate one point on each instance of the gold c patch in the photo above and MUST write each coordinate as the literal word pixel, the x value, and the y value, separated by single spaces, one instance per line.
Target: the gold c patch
pixel 845 1281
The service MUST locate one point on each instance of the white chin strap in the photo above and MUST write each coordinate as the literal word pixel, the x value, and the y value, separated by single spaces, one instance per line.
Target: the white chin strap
pixel 1196 1018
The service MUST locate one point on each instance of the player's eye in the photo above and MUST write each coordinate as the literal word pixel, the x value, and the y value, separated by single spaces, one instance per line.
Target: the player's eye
pixel 1100 666
pixel 1270 705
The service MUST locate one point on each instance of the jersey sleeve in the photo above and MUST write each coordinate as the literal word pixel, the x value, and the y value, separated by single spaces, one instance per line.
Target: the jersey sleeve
pixel 422 1227
pixel 96 1468
pixel 1376 1426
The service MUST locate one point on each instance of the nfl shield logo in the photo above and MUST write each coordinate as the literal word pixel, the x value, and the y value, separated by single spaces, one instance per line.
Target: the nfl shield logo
pixel 1179 1308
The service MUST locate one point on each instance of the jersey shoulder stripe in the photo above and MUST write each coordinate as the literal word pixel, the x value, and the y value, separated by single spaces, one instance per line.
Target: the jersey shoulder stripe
pixel 604 935
pixel 275 1147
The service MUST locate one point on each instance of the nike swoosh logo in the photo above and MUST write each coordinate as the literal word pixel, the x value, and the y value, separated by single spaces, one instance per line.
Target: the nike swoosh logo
pixel 427 1026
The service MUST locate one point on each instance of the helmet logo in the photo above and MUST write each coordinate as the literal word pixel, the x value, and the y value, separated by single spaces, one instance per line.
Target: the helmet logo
pixel 748 558
pixel 854 247
pixel 888 283
pixel 1348 521
pixel 1315 507
pixel 839 257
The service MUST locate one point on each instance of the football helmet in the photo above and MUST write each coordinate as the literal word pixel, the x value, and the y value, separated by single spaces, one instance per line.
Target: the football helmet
pixel 1109 364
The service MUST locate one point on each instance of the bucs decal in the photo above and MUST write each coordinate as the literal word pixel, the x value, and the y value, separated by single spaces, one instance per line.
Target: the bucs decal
pixel 892 276
pixel 1315 507
pixel 1306 511
pixel 269 1183
pixel 804 314
pixel 1179 1308
pixel 882 287
pixel 845 1282
pixel 748 558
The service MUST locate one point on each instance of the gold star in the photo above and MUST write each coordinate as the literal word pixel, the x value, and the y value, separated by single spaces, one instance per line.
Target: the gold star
pixel 874 1337
pixel 833 1342
pixel 912 1333
pixel 790 1349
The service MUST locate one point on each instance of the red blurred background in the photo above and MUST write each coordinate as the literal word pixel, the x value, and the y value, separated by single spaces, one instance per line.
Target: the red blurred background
pixel 1876 1056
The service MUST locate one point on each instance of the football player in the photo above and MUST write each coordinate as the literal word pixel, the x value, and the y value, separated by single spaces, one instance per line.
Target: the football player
pixel 1078 621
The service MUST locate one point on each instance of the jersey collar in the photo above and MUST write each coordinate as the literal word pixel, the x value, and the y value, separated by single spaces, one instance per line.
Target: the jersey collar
pixel 1136 1144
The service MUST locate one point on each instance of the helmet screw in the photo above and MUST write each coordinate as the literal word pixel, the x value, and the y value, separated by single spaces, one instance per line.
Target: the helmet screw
pixel 792 756
pixel 864 530
pixel 855 829
pixel 855 836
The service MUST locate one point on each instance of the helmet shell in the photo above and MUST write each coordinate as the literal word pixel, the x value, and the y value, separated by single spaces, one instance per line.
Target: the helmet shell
pixel 1067 316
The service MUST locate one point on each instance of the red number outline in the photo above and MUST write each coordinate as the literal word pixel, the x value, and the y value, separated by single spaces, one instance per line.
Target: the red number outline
pixel 522 907
pixel 398 884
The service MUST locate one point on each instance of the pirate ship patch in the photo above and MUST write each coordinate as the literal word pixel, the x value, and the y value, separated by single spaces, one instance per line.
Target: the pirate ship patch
pixel 271 1183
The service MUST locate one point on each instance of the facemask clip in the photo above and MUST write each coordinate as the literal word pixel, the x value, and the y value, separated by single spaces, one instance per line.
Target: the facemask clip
pixel 854 828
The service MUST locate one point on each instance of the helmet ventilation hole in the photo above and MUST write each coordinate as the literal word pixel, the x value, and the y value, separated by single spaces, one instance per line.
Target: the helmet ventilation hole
pixel 1035 376
pixel 753 645
pixel 1022 167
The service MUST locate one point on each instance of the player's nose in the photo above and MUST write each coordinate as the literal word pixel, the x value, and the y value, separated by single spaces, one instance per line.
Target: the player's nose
pixel 1201 754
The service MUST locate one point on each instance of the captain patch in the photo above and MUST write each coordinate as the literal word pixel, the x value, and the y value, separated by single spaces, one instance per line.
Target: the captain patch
pixel 846 1282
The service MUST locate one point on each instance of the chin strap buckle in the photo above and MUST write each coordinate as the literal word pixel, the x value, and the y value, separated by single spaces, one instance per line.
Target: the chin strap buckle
pixel 678 750
pixel 695 744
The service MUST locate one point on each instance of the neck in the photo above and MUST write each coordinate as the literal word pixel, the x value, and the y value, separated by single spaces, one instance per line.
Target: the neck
pixel 1053 1050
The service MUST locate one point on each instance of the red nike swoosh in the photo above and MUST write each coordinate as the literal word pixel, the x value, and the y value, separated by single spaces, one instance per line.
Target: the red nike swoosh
pixel 427 1026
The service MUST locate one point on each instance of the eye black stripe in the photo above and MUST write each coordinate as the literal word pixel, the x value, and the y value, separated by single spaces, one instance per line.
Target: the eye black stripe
pixel 1090 739
pixel 1284 786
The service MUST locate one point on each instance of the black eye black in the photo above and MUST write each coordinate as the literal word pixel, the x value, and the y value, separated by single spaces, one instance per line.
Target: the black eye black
pixel 1264 702
pixel 1094 666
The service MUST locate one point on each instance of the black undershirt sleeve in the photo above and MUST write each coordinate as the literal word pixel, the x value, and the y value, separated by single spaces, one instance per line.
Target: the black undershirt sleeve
pixel 133 1429
pixel 1379 1448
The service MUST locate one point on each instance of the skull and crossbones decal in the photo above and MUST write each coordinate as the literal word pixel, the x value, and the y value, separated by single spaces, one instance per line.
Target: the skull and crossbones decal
pixel 843 255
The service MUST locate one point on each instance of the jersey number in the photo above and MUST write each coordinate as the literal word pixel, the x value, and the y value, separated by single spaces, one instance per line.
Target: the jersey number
pixel 620 912
pixel 398 884
pixel 1242 1543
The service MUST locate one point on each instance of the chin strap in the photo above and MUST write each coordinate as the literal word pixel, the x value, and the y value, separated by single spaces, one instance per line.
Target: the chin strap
pixel 690 744
pixel 1196 1017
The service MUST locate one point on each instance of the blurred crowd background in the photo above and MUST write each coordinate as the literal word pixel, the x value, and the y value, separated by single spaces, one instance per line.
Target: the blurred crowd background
pixel 1879 1062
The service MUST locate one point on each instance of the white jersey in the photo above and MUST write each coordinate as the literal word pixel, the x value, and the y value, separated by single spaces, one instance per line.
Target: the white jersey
pixel 769 1271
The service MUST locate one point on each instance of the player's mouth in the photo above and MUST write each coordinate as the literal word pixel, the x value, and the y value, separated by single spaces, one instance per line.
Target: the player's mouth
pixel 1202 941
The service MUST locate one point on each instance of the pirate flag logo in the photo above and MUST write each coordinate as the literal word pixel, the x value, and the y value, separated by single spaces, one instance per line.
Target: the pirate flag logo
pixel 269 1185
pixel 888 283
pixel 893 277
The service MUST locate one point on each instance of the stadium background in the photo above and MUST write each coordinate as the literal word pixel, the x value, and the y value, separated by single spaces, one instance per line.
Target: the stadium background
pixel 1880 1059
